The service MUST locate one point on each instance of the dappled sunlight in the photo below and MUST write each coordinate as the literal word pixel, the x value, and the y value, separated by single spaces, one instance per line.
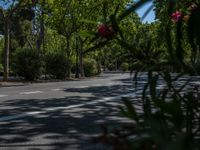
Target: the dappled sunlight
pixel 56 123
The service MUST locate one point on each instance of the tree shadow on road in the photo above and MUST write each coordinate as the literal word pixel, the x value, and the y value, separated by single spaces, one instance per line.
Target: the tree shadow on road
pixel 52 124
pixel 102 91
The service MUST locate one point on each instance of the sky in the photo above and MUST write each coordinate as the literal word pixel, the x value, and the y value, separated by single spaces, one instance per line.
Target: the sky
pixel 150 17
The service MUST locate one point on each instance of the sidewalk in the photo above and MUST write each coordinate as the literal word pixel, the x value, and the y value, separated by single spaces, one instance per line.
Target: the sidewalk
pixel 17 81
pixel 21 82
pixel 11 83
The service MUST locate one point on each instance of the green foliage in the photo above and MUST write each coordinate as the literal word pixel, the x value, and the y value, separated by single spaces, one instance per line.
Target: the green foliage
pixel 21 31
pixel 169 119
pixel 170 108
pixel 111 67
pixel 54 41
pixel 27 63
pixel 90 67
pixel 124 66
pixel 27 13
pixel 129 110
pixel 1 69
pixel 57 65
pixel 1 49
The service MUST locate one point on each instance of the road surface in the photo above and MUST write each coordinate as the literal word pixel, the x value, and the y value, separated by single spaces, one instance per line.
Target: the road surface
pixel 60 115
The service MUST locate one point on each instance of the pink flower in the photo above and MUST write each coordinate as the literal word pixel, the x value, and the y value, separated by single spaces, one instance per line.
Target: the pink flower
pixel 193 6
pixel 176 16
pixel 105 30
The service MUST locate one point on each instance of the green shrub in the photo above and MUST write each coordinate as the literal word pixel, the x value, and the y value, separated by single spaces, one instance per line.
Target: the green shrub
pixel 124 66
pixel 57 65
pixel 111 67
pixel 90 67
pixel 27 63
pixel 193 69
pixel 1 69
pixel 73 68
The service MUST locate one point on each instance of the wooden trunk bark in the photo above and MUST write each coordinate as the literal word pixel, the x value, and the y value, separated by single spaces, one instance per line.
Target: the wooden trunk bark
pixel 6 50
pixel 81 63
pixel 77 66
pixel 68 75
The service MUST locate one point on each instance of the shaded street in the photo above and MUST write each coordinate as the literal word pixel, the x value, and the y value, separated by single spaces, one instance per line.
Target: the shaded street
pixel 60 115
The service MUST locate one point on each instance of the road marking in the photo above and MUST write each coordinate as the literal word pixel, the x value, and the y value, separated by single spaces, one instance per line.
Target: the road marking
pixel 98 85
pixel 31 92
pixel 56 89
pixel 82 86
pixel 110 83
pixel 3 95
pixel 45 110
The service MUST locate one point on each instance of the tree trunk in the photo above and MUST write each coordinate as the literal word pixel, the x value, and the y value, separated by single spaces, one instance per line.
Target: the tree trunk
pixel 77 66
pixel 116 65
pixel 40 39
pixel 6 49
pixel 77 57
pixel 42 28
pixel 68 75
pixel 81 66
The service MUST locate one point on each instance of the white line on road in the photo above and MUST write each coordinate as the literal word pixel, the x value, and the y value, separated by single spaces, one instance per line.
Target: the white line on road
pixel 82 87
pixel 25 114
pixel 31 92
pixel 109 83
pixel 98 85
pixel 56 89
pixel 3 95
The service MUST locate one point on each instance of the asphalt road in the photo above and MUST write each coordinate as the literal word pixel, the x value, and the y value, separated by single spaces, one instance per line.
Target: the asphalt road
pixel 60 115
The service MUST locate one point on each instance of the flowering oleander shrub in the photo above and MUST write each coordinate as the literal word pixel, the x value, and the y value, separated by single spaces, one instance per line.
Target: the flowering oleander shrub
pixel 166 114
pixel 105 31
pixel 176 16
pixel 179 22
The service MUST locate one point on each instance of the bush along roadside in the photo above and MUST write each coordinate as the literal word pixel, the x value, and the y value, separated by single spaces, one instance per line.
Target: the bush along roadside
pixel 90 67
pixel 27 63
pixel 1 70
pixel 58 65
pixel 124 67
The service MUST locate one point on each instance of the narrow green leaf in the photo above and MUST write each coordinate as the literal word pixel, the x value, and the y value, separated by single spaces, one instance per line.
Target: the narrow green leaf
pixel 87 33
pixel 179 49
pixel 153 84
pixel 99 45
pixel 88 21
pixel 105 7
pixel 131 112
pixel 115 26
pixel 168 79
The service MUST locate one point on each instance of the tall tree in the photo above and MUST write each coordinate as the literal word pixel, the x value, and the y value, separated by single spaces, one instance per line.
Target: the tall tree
pixel 7 11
